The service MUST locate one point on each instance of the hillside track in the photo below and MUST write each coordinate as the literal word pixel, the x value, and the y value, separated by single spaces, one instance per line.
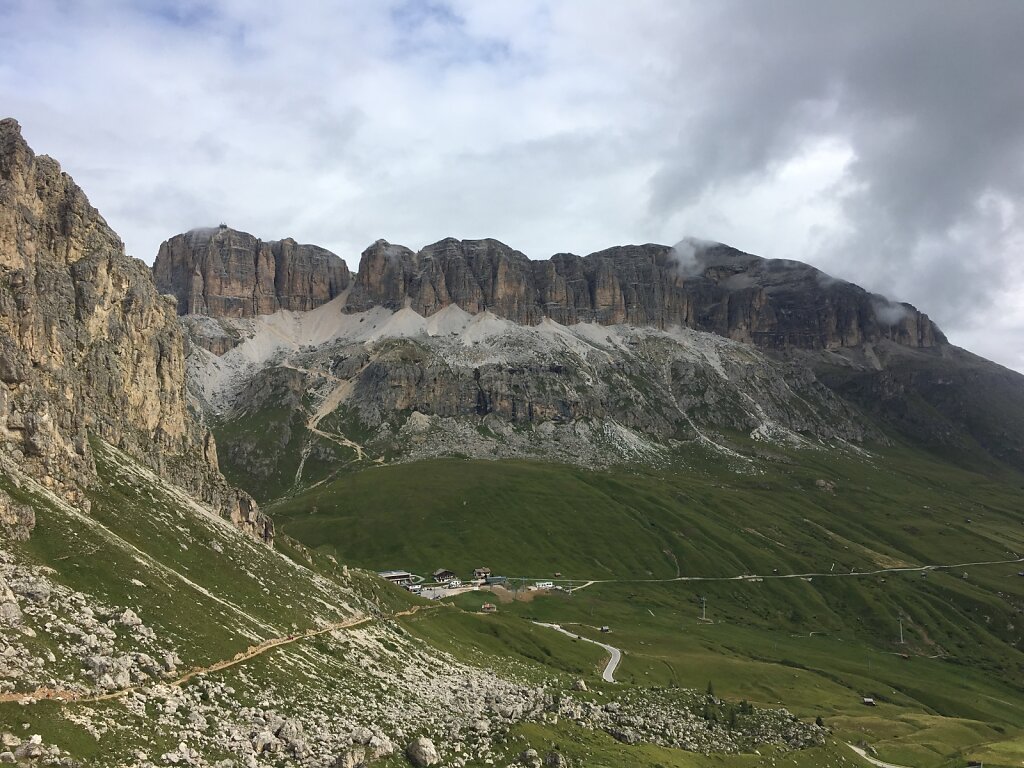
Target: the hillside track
pixel 69 696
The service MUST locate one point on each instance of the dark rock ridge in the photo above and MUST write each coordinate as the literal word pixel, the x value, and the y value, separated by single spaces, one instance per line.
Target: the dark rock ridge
pixel 222 272
pixel 89 348
pixel 774 304
pixel 944 399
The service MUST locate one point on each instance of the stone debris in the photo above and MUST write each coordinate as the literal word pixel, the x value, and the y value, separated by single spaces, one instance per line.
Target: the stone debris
pixel 99 647
pixel 349 698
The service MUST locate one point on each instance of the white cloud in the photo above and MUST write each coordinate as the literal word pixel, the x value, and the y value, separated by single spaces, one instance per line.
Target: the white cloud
pixel 874 142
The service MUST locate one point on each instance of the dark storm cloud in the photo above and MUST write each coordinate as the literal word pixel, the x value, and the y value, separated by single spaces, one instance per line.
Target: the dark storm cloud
pixel 927 96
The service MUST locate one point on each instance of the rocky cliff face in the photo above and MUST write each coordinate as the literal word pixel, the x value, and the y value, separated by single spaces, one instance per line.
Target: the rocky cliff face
pixel 225 273
pixel 301 396
pixel 773 304
pixel 88 347
pixel 887 360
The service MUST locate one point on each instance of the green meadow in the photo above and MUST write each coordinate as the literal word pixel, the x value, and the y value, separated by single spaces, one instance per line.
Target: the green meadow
pixel 659 543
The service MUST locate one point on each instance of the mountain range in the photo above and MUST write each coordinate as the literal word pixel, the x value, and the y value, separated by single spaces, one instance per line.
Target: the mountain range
pixel 471 348
pixel 705 463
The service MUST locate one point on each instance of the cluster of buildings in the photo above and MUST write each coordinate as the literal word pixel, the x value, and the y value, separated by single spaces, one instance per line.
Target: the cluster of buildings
pixel 443 577
pixel 445 580
pixel 480 576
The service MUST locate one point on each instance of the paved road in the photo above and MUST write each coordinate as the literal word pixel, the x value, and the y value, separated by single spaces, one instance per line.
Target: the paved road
pixel 608 675
pixel 874 761
pixel 755 576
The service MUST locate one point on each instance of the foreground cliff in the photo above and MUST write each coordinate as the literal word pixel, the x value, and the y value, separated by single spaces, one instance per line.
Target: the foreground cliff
pixel 88 347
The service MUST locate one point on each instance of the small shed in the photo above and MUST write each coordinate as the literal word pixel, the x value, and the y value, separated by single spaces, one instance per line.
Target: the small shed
pixel 489 608
pixel 481 573
pixel 501 580
pixel 443 575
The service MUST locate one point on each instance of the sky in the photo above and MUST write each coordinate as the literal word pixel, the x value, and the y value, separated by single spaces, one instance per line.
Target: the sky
pixel 880 141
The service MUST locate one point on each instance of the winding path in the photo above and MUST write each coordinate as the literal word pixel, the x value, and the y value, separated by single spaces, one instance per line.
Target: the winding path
pixel 59 694
pixel 238 658
pixel 873 760
pixel 608 674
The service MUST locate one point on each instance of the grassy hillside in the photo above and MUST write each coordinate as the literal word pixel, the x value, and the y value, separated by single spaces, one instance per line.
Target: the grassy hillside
pixel 801 512
pixel 816 644
pixel 257 640
pixel 148 546
pixel 203 590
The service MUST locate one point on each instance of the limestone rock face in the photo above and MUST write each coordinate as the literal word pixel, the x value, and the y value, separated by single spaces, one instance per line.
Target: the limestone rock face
pixel 774 304
pixel 222 272
pixel 88 347
pixel 16 520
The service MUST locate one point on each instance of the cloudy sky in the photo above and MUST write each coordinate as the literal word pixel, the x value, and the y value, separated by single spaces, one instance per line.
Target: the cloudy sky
pixel 880 140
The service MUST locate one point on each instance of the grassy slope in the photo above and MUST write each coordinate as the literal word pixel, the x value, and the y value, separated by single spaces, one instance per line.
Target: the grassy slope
pixel 263 453
pixel 532 519
pixel 897 508
pixel 523 518
pixel 598 750
pixel 199 584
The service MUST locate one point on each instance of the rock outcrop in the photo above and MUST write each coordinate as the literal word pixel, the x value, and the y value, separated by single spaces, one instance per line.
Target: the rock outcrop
pixel 774 304
pixel 16 520
pixel 396 385
pixel 88 347
pixel 222 272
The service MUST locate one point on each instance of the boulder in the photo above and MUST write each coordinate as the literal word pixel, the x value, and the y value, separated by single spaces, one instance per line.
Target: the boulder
pixel 530 758
pixel 353 757
pixel 361 735
pixel 129 618
pixel 10 612
pixel 422 752
pixel 381 746
pixel 265 741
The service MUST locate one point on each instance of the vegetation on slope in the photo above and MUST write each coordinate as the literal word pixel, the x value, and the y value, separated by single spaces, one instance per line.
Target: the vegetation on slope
pixel 816 644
